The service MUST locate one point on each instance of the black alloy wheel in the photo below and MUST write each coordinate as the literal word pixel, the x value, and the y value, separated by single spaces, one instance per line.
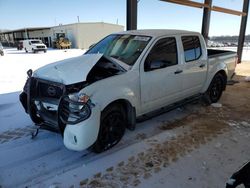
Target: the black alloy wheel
pixel 216 88
pixel 112 128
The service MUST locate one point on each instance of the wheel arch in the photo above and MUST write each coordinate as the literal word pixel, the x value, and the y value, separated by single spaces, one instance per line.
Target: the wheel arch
pixel 129 109
pixel 206 96
pixel 220 68
pixel 223 73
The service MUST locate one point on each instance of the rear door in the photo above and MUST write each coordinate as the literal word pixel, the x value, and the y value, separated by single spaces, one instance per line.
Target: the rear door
pixel 194 66
pixel 160 75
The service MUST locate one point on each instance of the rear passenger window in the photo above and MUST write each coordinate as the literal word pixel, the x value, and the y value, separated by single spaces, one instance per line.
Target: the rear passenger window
pixel 192 47
pixel 163 54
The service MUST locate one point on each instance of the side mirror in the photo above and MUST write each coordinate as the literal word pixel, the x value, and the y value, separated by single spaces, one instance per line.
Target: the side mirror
pixel 92 45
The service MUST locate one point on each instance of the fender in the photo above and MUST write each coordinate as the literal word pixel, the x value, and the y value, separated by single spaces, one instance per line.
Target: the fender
pixel 106 91
pixel 213 69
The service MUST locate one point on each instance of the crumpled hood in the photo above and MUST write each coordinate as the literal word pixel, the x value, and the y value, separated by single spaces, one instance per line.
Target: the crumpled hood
pixel 68 71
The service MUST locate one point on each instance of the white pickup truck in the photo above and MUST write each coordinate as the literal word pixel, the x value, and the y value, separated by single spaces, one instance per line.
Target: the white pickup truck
pixel 93 98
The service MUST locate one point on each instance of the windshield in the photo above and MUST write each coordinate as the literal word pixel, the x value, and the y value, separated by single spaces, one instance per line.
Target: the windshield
pixel 36 42
pixel 126 48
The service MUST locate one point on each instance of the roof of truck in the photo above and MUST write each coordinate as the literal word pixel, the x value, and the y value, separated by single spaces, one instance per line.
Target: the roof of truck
pixel 157 32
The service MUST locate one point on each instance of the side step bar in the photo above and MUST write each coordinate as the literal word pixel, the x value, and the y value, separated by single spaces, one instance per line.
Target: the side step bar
pixel 168 108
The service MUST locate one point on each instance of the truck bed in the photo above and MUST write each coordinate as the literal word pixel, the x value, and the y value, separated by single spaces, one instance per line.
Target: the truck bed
pixel 215 53
pixel 228 57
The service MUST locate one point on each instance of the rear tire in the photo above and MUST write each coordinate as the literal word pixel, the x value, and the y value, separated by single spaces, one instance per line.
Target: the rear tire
pixel 26 50
pixel 112 128
pixel 215 89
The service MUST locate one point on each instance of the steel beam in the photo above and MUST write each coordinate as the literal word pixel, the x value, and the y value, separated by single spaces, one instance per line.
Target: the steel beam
pixel 131 14
pixel 206 20
pixel 243 26
pixel 228 11
pixel 205 5
pixel 187 3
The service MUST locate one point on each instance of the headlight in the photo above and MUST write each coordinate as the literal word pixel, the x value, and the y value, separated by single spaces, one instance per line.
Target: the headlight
pixel 75 108
pixel 81 98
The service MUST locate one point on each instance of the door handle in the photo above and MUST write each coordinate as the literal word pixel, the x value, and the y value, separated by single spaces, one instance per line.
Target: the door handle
pixel 202 65
pixel 178 71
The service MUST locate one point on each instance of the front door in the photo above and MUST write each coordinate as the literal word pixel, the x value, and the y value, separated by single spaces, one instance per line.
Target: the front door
pixel 161 76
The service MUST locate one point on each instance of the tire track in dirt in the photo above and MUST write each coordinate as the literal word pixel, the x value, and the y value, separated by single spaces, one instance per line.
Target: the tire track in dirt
pixel 16 134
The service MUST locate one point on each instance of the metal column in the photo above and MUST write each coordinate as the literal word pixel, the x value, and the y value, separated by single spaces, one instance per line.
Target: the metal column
pixel 14 38
pixel 206 20
pixel 243 26
pixel 131 14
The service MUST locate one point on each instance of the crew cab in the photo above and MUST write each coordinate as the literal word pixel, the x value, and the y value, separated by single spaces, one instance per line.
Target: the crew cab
pixel 34 45
pixel 93 98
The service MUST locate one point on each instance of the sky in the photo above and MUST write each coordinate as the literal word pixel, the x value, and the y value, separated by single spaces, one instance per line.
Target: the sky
pixel 152 14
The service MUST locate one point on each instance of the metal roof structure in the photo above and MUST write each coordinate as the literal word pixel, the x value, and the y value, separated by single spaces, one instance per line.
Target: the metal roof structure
pixel 25 29
pixel 207 8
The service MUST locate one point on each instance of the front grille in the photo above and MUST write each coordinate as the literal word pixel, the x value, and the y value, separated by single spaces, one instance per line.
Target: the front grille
pixel 44 93
pixel 50 90
pixel 39 46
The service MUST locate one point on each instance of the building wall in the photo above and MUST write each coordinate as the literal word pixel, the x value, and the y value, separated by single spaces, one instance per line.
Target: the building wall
pixel 40 33
pixel 90 33
pixel 45 35
pixel 82 35
pixel 69 30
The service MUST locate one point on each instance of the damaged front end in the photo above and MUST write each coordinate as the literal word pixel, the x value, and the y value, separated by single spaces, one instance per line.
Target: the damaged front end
pixel 52 105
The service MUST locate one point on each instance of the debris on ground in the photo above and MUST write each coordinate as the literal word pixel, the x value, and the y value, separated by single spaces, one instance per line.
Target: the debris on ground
pixel 218 145
pixel 247 79
pixel 232 82
pixel 216 105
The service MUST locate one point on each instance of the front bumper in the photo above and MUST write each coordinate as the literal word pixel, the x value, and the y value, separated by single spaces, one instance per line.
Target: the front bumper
pixel 40 49
pixel 84 134
pixel 49 106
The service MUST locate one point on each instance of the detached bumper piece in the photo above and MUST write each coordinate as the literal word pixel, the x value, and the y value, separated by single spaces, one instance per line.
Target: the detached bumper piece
pixel 73 112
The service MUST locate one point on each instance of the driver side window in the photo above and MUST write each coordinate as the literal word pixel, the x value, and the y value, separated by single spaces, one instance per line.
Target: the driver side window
pixel 163 54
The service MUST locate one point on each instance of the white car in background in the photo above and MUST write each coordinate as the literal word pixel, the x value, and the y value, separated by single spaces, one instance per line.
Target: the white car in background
pixel 34 45
pixel 93 98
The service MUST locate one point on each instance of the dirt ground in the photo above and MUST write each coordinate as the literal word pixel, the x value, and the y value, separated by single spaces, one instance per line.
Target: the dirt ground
pixel 204 126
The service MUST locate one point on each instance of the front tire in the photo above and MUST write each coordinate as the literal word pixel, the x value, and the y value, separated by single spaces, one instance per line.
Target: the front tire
pixel 215 89
pixel 112 128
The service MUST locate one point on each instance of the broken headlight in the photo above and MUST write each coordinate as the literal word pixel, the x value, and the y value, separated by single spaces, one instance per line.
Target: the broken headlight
pixel 75 108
